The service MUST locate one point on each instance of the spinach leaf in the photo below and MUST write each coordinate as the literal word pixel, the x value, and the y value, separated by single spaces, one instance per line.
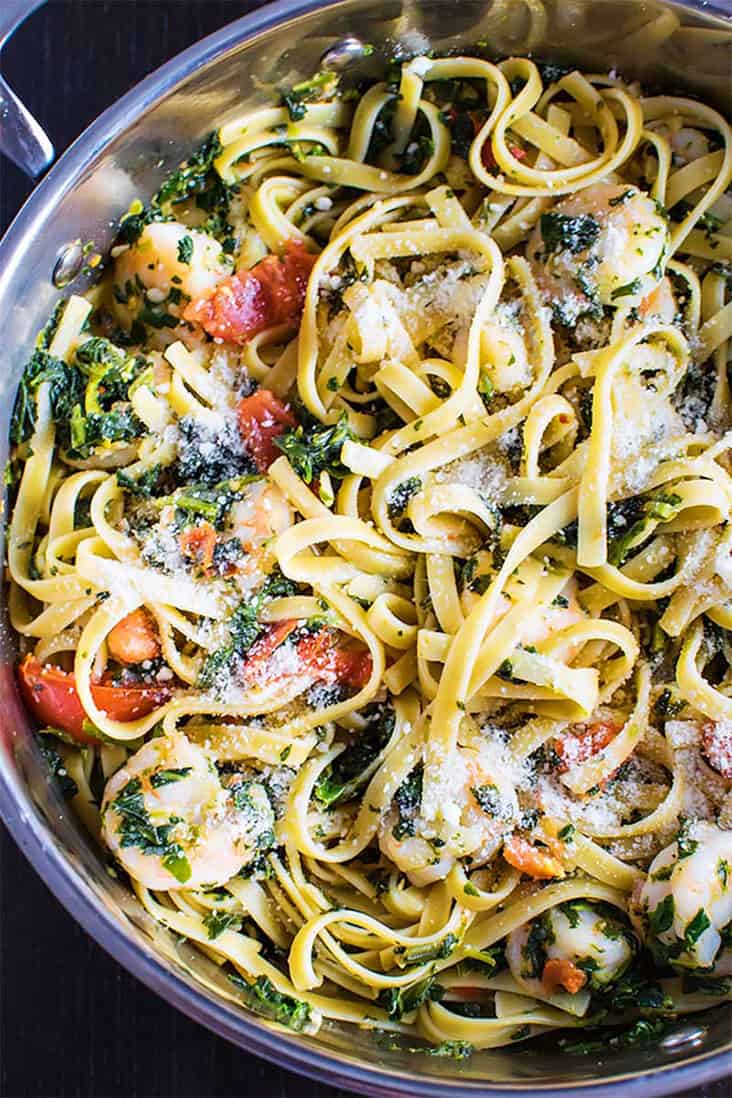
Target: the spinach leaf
pixel 262 997
pixel 67 386
pixel 137 829
pixel 313 449
pixel 407 800
pixel 340 781
pixel 561 232
pixel 321 86
pixel 399 1001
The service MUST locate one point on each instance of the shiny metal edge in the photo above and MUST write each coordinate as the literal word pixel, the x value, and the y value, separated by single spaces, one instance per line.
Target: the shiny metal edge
pixel 28 829
pixel 22 138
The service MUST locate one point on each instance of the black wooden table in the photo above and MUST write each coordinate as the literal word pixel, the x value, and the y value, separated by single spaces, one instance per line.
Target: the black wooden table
pixel 72 1022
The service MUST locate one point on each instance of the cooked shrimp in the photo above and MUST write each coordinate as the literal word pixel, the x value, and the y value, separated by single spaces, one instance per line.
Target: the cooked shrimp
pixel 660 303
pixel 479 809
pixel 539 623
pixel 134 639
pixel 685 904
pixel 250 528
pixel 570 947
pixel 532 860
pixel 256 520
pixel 167 256
pixel 560 615
pixel 262 514
pixel 602 246
pixel 171 822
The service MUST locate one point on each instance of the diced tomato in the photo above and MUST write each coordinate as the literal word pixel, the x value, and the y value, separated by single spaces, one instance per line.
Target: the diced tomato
pixel 471 994
pixel 135 638
pixel 198 544
pixel 530 859
pixel 583 742
pixel 562 973
pixel 263 418
pixel 51 696
pixel 321 657
pixel 717 742
pixel 271 292
pixel 255 665
pixel 335 661
pixel 488 160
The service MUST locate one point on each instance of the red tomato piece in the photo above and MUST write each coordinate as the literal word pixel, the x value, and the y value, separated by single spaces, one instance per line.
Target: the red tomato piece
pixel 50 694
pixel 334 661
pixel 271 292
pixel 135 638
pixel 717 742
pixel 559 972
pixel 583 742
pixel 263 418
pixel 531 860
pixel 198 544
pixel 488 160
pixel 255 666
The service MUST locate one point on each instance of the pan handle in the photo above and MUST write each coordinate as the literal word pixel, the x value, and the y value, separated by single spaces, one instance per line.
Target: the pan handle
pixel 22 139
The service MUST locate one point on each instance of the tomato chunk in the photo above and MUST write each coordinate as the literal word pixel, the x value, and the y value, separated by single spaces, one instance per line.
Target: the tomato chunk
pixel 50 694
pixel 530 859
pixel 271 292
pixel 583 742
pixel 333 661
pixel 198 544
pixel 488 160
pixel 135 638
pixel 717 743
pixel 257 661
pixel 562 973
pixel 321 657
pixel 263 418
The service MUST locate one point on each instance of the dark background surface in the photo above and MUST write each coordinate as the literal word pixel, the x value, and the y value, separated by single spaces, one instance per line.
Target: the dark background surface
pixel 72 1022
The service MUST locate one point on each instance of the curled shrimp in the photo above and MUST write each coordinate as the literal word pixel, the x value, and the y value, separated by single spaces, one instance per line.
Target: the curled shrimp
pixel 604 245
pixel 685 905
pixel 172 823
pixel 479 810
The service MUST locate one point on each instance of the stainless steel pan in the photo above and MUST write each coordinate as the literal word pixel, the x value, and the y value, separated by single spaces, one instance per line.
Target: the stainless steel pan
pixel 125 153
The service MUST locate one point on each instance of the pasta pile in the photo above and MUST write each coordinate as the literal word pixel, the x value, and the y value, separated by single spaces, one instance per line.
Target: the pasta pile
pixel 370 554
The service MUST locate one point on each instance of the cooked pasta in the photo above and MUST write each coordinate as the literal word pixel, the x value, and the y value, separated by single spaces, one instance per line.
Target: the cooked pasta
pixel 370 553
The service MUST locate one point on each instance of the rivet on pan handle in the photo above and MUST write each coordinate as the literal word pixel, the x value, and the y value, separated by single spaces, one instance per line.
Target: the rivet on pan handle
pixel 22 139
pixel 344 53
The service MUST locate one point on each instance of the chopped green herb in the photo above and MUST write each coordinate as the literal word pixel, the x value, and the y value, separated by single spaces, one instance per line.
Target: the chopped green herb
pixel 57 767
pixel 662 916
pixel 696 927
pixel 166 777
pixel 264 999
pixel 185 249
pixel 399 1001
pixel 686 845
pixel 627 290
pixel 315 449
pixel 489 799
pixel 621 199
pixel 137 829
pixel 402 494
pixel 347 773
pixel 216 922
pixel 561 232
pixel 321 86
